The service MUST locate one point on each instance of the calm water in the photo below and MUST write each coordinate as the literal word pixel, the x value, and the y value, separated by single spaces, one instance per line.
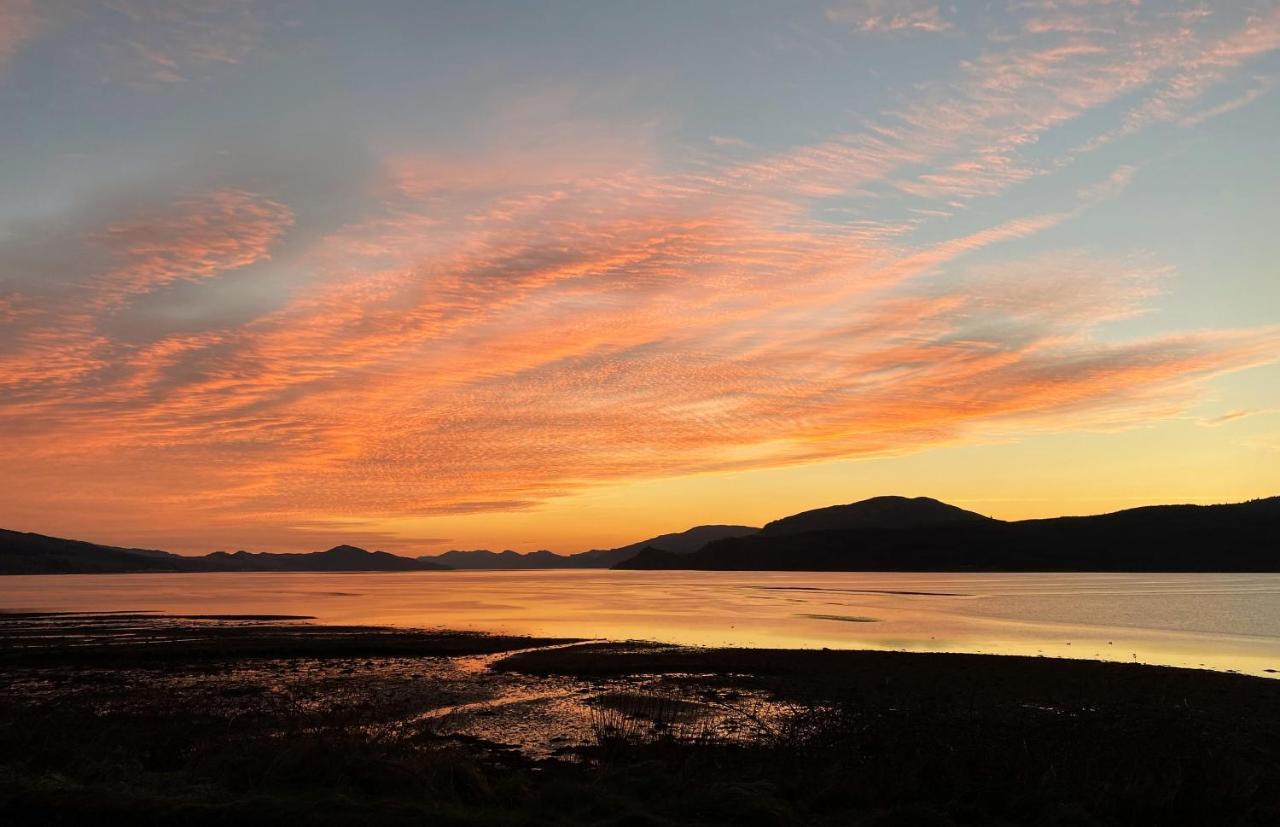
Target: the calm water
pixel 1213 621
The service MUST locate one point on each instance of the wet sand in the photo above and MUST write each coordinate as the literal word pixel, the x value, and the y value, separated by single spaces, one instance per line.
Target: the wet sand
pixel 221 718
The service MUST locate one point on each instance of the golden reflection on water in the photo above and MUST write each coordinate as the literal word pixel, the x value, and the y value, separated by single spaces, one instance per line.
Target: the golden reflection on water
pixel 1226 622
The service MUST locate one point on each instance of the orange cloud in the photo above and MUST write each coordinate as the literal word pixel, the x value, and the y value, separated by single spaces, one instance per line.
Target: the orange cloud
pixel 527 347
pixel 57 339
pixel 193 239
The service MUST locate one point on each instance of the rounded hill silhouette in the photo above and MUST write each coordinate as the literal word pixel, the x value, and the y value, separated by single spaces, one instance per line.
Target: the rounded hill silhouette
pixel 877 512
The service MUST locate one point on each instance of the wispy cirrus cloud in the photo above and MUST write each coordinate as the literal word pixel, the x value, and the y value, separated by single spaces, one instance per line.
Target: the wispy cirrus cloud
pixel 1264 85
pixel 502 324
pixel 1260 34
pixel 538 342
pixel 1191 64
pixel 160 42
pixel 144 43
pixel 1235 416
pixel 63 284
pixel 889 16
pixel 19 22
pixel 192 239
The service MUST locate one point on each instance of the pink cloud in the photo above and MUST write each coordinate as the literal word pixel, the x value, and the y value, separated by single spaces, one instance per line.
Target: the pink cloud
pixel 19 22
pixel 1264 86
pixel 1191 71
pixel 167 41
pixel 882 16
pixel 194 238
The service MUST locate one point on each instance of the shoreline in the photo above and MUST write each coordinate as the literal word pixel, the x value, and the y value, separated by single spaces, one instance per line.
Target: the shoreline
pixel 597 570
pixel 1002 615
pixel 155 717
pixel 334 639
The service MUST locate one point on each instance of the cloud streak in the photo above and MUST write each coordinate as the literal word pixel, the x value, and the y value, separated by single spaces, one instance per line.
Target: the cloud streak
pixel 195 238
pixel 879 16
pixel 165 42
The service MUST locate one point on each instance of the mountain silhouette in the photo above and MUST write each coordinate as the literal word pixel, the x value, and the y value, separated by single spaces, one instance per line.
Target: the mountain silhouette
pixel 24 553
pixel 877 512
pixel 338 558
pixel 681 542
pixel 880 534
pixel 1219 538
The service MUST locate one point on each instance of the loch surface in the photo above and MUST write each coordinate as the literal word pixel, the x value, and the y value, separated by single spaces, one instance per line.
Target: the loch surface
pixel 1214 621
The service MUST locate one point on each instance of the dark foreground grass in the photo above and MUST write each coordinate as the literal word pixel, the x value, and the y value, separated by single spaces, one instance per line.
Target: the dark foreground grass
pixel 969 738
pixel 836 738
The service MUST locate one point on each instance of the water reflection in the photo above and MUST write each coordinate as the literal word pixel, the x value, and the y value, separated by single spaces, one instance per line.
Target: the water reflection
pixel 1229 622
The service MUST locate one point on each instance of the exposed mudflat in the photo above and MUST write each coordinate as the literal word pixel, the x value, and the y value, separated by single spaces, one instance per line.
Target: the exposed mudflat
pixel 218 718
pixel 440 683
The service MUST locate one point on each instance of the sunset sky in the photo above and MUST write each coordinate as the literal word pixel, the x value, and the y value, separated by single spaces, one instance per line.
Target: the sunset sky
pixel 420 276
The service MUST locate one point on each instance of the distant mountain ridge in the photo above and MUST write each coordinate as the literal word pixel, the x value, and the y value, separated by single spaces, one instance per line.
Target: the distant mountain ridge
pixel 898 534
pixel 338 558
pixel 880 534
pixel 26 553
pixel 680 542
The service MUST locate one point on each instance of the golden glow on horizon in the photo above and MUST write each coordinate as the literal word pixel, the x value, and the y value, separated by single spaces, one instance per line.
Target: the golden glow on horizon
pixel 1046 476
